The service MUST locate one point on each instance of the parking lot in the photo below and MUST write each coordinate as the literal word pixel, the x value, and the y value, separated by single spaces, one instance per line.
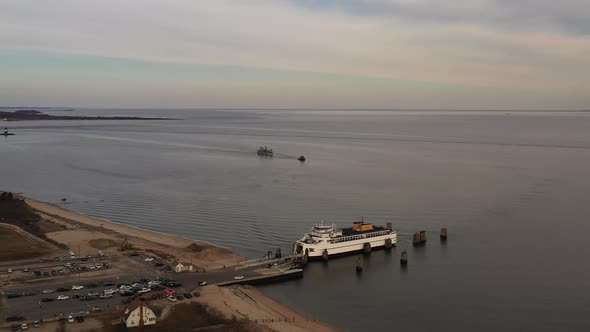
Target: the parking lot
pixel 40 298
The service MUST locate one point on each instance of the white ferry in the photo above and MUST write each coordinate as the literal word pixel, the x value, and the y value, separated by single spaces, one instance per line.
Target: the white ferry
pixel 327 240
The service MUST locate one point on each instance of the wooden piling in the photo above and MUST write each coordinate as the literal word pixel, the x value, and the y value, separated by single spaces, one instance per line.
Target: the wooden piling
pixel 419 238
pixel 388 243
pixel 367 248
pixel 443 234
pixel 403 258
pixel 325 255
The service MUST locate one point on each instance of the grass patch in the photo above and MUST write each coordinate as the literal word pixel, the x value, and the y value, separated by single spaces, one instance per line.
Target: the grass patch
pixel 50 227
pixel 16 246
pixel 103 243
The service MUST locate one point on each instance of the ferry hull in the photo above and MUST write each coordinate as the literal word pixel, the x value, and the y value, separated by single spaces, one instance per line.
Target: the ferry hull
pixel 345 248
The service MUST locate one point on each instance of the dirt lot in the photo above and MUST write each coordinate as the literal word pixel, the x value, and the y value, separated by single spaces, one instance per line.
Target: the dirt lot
pixel 16 246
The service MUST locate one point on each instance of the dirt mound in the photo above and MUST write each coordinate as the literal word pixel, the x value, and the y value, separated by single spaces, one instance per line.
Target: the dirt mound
pixel 194 247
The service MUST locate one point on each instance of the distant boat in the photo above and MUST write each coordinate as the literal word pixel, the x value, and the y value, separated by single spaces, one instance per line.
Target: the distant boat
pixel 6 133
pixel 301 158
pixel 264 151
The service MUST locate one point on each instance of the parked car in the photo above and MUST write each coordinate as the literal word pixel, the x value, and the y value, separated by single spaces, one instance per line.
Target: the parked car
pixel 202 283
pixel 172 298
pixel 188 295
pixel 70 319
pixel 147 259
pixel 36 324
pixel 62 297
pixel 48 291
pixel 110 291
pixel 238 277
pixel 24 326
pixel 179 297
pixel 77 287
pixel 93 294
pixel 144 290
pixel 47 299
pixel 106 296
pixel 96 309
pixel 14 327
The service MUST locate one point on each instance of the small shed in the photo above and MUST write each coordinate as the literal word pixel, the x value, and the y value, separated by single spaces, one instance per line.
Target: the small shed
pixel 182 267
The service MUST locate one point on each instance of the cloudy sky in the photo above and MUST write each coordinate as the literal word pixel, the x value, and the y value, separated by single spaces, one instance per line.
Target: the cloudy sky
pixel 400 54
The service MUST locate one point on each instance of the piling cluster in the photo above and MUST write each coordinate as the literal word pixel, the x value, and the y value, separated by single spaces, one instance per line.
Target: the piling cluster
pixel 419 238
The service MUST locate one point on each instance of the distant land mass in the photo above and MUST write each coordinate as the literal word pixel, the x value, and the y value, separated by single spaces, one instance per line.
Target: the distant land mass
pixel 30 115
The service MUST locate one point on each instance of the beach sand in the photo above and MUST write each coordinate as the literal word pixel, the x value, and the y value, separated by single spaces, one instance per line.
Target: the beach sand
pixel 201 254
pixel 246 302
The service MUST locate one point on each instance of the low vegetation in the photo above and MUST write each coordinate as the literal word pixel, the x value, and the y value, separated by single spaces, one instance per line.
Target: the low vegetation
pixel 15 246
pixel 16 212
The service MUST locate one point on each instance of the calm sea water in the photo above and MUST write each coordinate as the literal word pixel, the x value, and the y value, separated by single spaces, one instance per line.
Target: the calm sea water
pixel 513 190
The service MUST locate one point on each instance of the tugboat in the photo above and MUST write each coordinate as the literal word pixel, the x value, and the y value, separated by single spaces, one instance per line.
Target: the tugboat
pixel 6 133
pixel 301 158
pixel 264 151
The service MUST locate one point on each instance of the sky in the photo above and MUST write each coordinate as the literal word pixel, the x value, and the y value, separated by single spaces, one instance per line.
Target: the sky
pixel 393 54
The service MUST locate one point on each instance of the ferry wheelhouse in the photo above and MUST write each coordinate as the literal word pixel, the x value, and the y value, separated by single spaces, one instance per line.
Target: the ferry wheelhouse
pixel 328 240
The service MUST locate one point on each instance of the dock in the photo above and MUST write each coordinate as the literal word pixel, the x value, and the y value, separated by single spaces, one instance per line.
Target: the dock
pixel 266 278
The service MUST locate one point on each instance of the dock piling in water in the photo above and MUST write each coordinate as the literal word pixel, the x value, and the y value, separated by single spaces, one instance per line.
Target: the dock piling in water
pixel 325 255
pixel 443 233
pixel 388 243
pixel 359 265
pixel 367 248
pixel 404 258
pixel 419 238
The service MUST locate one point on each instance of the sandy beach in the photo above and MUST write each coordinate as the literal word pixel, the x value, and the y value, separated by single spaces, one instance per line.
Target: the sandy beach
pixel 201 254
pixel 246 302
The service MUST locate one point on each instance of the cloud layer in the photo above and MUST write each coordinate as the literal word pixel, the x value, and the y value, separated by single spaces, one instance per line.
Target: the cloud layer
pixel 526 54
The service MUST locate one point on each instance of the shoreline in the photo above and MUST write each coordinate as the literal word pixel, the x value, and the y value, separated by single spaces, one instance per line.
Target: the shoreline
pixel 245 302
pixel 209 255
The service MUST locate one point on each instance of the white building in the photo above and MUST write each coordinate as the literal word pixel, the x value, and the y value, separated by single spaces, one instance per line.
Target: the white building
pixel 138 314
pixel 179 267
